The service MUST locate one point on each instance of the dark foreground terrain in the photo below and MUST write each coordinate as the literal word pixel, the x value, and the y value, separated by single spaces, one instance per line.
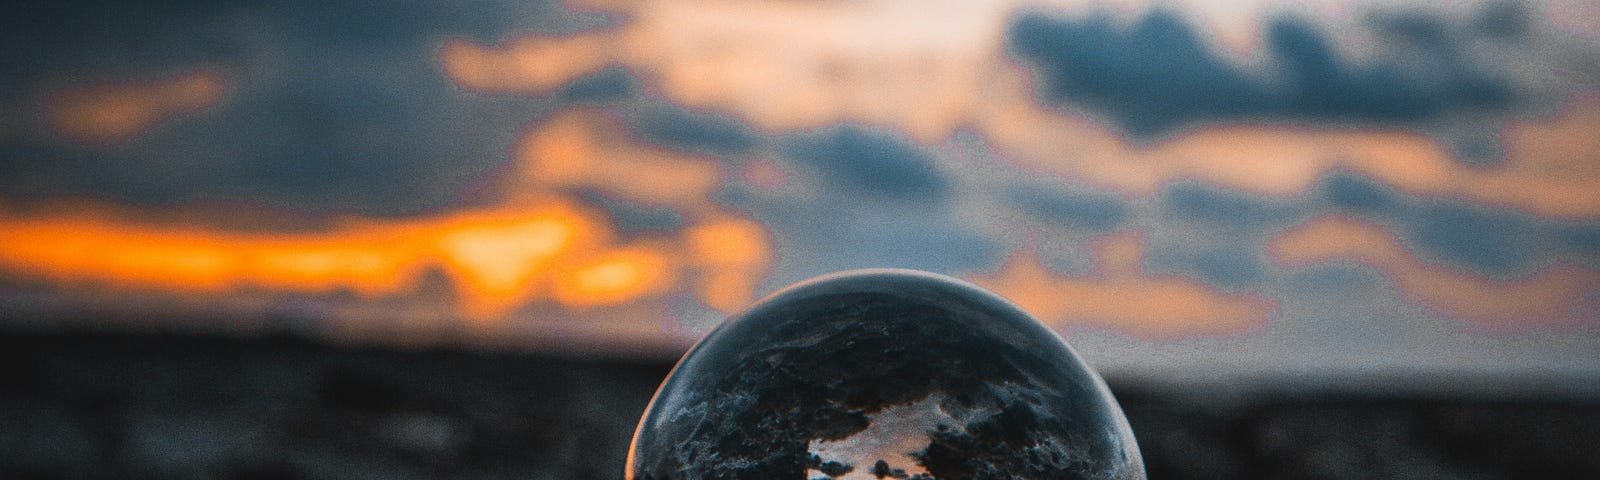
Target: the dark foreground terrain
pixel 173 406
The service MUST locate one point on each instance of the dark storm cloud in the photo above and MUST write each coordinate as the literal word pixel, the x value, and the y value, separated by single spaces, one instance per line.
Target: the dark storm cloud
pixel 692 131
pixel 331 106
pixel 871 164
pixel 1095 211
pixel 1159 75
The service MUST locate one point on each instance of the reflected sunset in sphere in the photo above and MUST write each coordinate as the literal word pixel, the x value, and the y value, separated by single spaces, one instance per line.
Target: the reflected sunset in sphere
pixel 883 374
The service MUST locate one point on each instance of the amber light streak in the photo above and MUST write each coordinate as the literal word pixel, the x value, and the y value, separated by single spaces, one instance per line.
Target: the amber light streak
pixel 1560 295
pixel 734 255
pixel 540 246
pixel 115 112
pixel 1119 296
pixel 498 259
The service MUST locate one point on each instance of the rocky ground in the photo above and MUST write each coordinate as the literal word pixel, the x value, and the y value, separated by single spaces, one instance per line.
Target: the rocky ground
pixel 173 406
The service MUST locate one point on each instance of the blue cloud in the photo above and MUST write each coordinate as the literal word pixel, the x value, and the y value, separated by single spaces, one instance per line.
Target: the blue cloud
pixel 633 217
pixel 1489 241
pixel 696 131
pixel 614 83
pixel 1196 202
pixel 1485 239
pixel 1080 209
pixel 860 162
pixel 1150 77
pixel 1231 259
pixel 1357 193
pixel 1158 75
pixel 1581 238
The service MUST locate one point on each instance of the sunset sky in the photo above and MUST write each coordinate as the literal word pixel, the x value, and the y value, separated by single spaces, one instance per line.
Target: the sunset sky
pixel 1182 188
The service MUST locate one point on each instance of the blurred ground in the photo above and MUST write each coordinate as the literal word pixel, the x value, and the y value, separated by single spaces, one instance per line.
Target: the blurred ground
pixel 102 405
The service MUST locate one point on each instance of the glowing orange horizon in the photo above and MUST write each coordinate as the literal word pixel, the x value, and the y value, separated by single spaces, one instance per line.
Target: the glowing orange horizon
pixel 495 258
pixel 538 246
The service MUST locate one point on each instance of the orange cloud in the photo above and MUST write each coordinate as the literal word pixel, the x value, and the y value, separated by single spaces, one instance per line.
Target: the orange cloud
pixel 1561 295
pixel 616 276
pixel 116 112
pixel 733 254
pixel 915 65
pixel 727 255
pixel 1119 296
pixel 534 64
pixel 586 149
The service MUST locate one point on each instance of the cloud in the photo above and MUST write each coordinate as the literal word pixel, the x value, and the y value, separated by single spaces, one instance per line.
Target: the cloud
pixel 331 107
pixel 858 161
pixel 589 149
pixel 114 112
pixel 1155 75
pixel 696 131
pixel 1093 210
pixel 1357 193
pixel 1583 238
pixel 825 235
pixel 722 151
pixel 1560 296
pixel 1485 241
pixel 1159 75
pixel 495 257
pixel 535 245
pixel 530 64
pixel 609 84
pixel 1546 171
pixel 1194 202
pixel 782 66
pixel 1119 296
pixel 822 64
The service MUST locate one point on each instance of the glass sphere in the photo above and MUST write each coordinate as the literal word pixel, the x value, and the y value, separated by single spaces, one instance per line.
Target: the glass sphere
pixel 880 374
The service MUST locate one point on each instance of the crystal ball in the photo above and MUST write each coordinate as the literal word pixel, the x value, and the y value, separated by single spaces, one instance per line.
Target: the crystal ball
pixel 878 374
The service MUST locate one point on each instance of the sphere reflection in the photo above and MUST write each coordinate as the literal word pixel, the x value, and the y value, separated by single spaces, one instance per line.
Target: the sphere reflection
pixel 883 374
